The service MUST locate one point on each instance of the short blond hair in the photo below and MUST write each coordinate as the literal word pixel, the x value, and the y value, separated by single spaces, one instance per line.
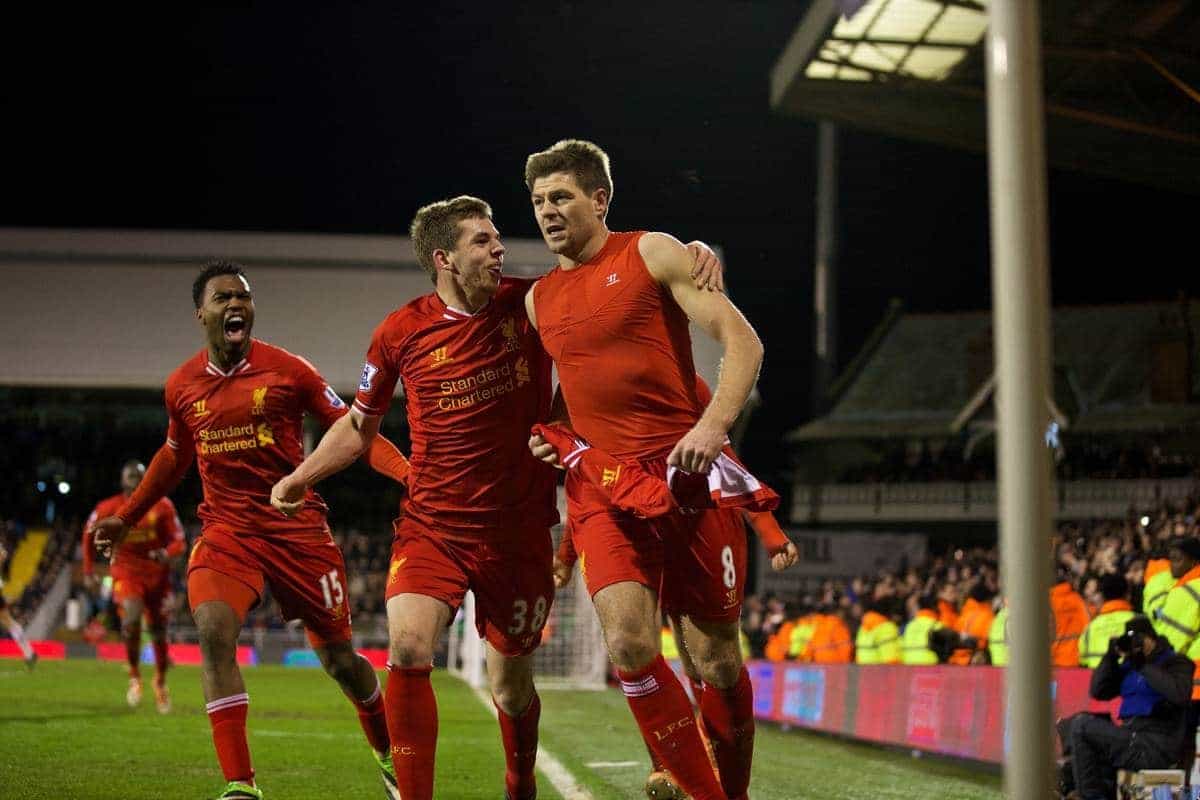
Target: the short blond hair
pixel 584 160
pixel 435 227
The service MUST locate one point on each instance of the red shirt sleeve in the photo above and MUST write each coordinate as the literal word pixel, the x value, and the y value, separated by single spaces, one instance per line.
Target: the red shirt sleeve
pixel 317 396
pixel 380 373
pixel 166 468
pixel 88 555
pixel 170 529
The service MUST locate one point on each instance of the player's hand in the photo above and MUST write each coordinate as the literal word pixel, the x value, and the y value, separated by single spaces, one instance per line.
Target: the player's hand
pixel 544 451
pixel 287 496
pixel 698 448
pixel 562 573
pixel 707 270
pixel 782 559
pixel 107 533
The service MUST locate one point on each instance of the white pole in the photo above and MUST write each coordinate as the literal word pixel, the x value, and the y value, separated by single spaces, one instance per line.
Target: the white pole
pixel 1017 175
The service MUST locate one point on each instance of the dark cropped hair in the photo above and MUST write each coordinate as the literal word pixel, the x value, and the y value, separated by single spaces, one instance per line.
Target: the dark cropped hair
pixel 213 269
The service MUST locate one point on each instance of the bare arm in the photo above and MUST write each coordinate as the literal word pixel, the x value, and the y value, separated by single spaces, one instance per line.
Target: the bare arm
pixel 670 265
pixel 342 445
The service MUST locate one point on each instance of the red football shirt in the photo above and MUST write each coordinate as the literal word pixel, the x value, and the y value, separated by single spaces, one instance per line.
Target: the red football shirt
pixel 244 426
pixel 159 528
pixel 623 352
pixel 474 384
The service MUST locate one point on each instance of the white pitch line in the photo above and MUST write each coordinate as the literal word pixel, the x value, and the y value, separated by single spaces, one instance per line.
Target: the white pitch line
pixel 301 734
pixel 559 776
pixel 611 764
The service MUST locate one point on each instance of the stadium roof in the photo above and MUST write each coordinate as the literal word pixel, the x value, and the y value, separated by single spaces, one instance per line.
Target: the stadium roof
pixel 926 375
pixel 1121 79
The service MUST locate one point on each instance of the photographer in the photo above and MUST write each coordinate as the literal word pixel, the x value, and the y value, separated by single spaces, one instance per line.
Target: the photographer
pixel 1155 685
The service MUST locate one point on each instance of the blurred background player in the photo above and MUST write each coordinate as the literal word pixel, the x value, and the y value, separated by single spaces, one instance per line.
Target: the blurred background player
pixel 11 625
pixel 614 317
pixel 237 407
pixel 140 569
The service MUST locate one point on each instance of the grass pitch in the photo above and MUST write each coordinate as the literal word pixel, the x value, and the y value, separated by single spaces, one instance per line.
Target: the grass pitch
pixel 67 734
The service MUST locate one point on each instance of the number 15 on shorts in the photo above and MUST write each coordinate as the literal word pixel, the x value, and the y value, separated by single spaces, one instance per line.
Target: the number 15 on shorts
pixel 331 588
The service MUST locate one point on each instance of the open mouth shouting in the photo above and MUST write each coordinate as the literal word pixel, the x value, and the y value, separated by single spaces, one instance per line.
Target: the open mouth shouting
pixel 236 328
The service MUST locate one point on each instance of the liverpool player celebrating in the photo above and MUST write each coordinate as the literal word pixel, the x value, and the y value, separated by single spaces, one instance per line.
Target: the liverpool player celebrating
pixel 237 406
pixel 614 317
pixel 141 572
pixel 479 506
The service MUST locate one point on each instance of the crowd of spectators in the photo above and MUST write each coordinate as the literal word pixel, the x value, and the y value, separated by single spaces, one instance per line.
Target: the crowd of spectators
pixel 966 588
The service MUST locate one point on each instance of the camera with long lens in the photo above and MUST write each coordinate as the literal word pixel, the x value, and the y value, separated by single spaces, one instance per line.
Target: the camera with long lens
pixel 1126 642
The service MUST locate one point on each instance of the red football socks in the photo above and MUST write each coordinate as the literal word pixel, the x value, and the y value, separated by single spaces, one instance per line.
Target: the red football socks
pixel 729 721
pixel 520 737
pixel 228 719
pixel 133 653
pixel 412 723
pixel 668 726
pixel 373 720
pixel 160 659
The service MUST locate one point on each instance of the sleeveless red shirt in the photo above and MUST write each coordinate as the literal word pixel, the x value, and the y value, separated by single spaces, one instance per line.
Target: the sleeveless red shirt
pixel 623 351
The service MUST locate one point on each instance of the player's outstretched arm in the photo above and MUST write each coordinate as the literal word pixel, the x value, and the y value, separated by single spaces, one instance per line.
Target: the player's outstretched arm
pixel 669 264
pixel 166 470
pixel 342 445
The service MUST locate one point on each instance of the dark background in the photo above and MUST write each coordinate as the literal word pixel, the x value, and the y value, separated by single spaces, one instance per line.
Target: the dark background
pixel 284 118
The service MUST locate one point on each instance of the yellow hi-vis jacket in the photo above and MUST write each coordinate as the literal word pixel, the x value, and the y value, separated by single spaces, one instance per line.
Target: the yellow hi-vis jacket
pixel 1110 622
pixel 1159 581
pixel 915 648
pixel 670 649
pixel 998 638
pixel 1179 619
pixel 801 635
pixel 878 640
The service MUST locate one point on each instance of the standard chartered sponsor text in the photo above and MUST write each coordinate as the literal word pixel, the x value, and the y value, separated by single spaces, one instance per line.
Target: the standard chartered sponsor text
pixel 473 389
pixel 233 438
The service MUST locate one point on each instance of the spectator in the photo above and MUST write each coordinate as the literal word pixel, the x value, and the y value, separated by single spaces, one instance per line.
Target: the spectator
pixel 1114 613
pixel 923 641
pixel 998 637
pixel 1155 684
pixel 1070 618
pixel 831 642
pixel 974 624
pixel 878 640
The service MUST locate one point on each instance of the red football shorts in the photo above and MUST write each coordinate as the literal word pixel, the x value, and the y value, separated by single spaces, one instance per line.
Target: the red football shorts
pixel 304 570
pixel 510 572
pixel 155 594
pixel 695 561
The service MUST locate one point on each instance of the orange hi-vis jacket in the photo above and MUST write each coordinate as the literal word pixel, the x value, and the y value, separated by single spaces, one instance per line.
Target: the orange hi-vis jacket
pixel 1070 618
pixel 947 615
pixel 779 643
pixel 976 621
pixel 830 642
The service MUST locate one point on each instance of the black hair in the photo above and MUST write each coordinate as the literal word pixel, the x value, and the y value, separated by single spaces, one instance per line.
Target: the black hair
pixel 1114 586
pixel 212 270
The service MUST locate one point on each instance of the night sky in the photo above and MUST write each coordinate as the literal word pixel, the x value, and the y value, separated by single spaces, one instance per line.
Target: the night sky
pixel 348 119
